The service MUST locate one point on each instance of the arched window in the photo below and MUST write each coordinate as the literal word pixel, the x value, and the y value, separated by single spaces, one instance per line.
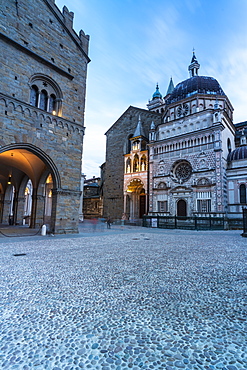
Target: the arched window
pixel 46 94
pixel 34 96
pixel 52 104
pixel 136 163
pixel 242 193
pixel 43 100
pixel 128 166
pixel 136 145
pixel 229 146
pixel 143 163
pixel 143 145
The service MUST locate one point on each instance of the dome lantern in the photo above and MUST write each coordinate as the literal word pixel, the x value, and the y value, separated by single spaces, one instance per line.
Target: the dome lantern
pixel 157 94
pixel 194 66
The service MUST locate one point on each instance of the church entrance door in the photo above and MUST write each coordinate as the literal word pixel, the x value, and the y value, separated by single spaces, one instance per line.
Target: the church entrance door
pixel 181 208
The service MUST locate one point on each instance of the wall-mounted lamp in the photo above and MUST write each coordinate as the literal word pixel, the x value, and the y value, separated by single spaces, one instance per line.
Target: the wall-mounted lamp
pixel 9 180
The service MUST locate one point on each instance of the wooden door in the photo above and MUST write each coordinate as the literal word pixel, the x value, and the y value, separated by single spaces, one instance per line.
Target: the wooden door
pixel 181 208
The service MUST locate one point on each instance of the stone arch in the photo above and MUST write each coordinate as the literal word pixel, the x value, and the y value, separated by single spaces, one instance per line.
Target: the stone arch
pixel 27 112
pixel 204 181
pixel 3 102
pixel 39 153
pixel 42 77
pixel 162 185
pixel 19 108
pixel 135 193
pixel 48 120
pixel 11 107
pixel 24 162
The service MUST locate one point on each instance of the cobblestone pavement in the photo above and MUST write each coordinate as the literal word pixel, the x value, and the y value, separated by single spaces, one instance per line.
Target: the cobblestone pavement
pixel 126 298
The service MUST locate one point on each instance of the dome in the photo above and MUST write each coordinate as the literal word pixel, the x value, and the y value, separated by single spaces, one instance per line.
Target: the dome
pixel 195 85
pixel 157 94
pixel 238 153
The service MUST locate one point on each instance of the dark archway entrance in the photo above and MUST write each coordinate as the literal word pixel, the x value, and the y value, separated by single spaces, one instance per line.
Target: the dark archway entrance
pixel 182 208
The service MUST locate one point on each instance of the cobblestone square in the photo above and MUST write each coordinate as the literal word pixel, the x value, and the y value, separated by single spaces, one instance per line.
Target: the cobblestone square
pixel 126 298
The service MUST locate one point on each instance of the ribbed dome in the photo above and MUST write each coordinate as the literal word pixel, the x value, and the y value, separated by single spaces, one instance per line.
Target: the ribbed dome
pixel 238 153
pixel 195 85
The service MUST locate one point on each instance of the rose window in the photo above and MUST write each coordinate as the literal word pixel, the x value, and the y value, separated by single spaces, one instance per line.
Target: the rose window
pixel 181 171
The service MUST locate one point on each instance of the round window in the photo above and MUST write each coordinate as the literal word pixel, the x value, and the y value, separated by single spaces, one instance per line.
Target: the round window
pixel 181 171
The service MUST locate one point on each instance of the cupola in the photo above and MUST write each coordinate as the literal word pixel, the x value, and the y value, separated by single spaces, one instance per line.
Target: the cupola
pixel 157 94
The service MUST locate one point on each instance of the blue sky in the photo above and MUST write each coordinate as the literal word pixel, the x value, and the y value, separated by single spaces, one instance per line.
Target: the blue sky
pixel 136 43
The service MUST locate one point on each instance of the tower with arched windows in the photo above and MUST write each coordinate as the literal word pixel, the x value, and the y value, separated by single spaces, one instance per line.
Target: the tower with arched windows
pixel 42 101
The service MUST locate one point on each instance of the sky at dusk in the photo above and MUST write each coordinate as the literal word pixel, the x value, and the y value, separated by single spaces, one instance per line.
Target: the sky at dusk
pixel 136 43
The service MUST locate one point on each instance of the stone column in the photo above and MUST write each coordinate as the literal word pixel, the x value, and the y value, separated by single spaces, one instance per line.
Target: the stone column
pixel 125 206
pixel 34 208
pixel 6 211
pixel 20 203
pixel 40 207
pixel 65 211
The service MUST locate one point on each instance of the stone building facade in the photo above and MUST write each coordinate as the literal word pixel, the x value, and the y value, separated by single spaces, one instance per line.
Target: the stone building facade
pixel 92 198
pixel 42 101
pixel 196 157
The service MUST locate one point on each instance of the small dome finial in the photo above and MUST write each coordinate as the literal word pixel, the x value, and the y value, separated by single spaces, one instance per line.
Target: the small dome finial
pixel 194 65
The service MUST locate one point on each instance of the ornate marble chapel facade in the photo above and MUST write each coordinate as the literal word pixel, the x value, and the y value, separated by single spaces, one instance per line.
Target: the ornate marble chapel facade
pixel 183 156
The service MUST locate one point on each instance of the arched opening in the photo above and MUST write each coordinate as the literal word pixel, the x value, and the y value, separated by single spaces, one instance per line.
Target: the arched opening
pixel 52 104
pixel 143 163
pixel 43 100
pixel 46 94
pixel 128 166
pixel 135 199
pixel 136 163
pixel 242 194
pixel 181 208
pixel 27 179
pixel 34 96
pixel 229 145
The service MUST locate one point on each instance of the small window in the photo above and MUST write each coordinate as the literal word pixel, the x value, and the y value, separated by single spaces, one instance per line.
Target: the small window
pixel 52 104
pixel 229 147
pixel 43 100
pixel 162 206
pixel 136 145
pixel 242 193
pixel 34 95
pixel 204 205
